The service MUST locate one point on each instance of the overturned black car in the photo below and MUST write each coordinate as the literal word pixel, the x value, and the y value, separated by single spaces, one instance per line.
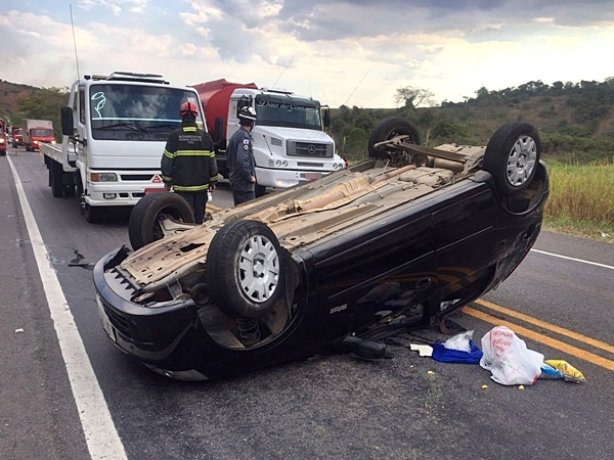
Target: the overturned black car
pixel 396 242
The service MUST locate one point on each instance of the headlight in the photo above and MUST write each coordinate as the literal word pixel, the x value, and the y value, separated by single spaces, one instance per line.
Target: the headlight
pixel 103 177
pixel 1 140
pixel 53 142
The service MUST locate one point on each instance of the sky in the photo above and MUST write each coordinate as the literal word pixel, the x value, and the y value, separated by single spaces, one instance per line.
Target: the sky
pixel 353 52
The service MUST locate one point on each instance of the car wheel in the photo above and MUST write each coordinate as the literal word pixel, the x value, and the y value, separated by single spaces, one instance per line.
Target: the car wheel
pixel 245 269
pixel 512 155
pixel 387 129
pixel 144 224
pixel 2 153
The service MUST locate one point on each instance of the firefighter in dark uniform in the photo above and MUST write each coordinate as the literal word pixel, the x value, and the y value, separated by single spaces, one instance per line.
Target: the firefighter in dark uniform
pixel 188 163
pixel 240 158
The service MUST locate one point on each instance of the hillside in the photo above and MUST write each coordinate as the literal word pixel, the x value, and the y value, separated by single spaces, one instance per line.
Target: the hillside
pixel 575 120
pixel 10 94
pixel 18 102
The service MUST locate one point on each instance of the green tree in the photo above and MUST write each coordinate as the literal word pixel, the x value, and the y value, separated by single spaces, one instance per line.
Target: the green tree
pixel 411 97
pixel 44 104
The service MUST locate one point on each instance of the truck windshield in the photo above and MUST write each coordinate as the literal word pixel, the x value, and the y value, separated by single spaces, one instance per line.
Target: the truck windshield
pixel 41 132
pixel 136 112
pixel 288 111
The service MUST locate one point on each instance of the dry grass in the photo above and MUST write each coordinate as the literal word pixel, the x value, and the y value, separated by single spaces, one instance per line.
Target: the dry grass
pixel 581 199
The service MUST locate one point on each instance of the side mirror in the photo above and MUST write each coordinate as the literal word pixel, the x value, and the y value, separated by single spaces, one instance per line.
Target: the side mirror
pixel 218 130
pixel 68 126
pixel 326 116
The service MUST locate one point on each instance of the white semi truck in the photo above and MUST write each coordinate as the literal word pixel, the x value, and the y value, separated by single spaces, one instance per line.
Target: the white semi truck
pixel 290 145
pixel 114 131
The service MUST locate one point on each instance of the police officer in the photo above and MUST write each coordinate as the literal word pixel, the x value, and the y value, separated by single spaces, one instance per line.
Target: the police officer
pixel 188 163
pixel 240 157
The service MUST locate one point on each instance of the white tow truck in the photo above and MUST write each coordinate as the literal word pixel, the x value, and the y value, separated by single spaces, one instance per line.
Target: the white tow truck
pixel 114 130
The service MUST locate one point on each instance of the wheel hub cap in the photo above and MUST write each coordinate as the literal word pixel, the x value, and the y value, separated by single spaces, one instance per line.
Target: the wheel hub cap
pixel 258 269
pixel 521 160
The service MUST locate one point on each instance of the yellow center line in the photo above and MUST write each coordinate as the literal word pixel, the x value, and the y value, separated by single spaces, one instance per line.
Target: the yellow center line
pixel 551 327
pixel 537 337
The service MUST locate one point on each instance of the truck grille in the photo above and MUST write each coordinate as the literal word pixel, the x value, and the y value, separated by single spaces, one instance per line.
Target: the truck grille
pixel 310 149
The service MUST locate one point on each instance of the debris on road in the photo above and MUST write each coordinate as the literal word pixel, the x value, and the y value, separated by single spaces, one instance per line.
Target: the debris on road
pixel 457 349
pixel 423 350
pixel 508 359
pixel 569 373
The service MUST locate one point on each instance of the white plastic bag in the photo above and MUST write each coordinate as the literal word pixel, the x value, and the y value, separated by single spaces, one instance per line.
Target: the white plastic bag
pixel 508 359
pixel 460 342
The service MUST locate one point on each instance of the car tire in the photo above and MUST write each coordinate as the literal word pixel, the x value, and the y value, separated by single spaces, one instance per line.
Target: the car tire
pixel 387 129
pixel 245 267
pixel 512 156
pixel 144 224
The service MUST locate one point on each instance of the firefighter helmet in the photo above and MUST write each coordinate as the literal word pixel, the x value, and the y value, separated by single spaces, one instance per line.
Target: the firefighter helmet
pixel 188 107
pixel 247 113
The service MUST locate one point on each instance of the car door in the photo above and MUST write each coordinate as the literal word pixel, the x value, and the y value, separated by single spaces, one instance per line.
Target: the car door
pixel 384 267
pixel 467 236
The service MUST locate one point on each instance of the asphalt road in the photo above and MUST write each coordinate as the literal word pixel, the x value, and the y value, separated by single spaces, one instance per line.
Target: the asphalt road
pixel 328 407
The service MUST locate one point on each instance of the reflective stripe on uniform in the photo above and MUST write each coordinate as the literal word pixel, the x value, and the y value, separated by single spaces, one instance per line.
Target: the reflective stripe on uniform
pixel 189 129
pixel 194 153
pixel 190 188
pixel 166 178
pixel 169 154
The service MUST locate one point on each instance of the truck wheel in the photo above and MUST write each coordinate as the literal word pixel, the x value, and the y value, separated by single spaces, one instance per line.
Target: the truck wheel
pixel 55 178
pixel 512 155
pixel 69 190
pixel 144 224
pixel 2 153
pixel 93 213
pixel 260 190
pixel 245 269
pixel 387 129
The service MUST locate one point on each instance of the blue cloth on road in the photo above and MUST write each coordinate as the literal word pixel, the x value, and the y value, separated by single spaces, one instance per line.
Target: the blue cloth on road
pixel 442 354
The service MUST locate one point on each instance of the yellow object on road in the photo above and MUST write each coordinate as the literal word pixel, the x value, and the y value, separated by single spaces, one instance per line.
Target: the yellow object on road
pixel 570 373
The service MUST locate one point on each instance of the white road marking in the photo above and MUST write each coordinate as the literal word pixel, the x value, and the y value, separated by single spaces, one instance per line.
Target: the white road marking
pixel 573 258
pixel 102 439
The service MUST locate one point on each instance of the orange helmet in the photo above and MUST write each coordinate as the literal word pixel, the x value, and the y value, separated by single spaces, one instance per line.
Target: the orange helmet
pixel 188 107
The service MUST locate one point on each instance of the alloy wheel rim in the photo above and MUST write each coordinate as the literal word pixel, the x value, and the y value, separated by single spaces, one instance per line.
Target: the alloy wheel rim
pixel 258 269
pixel 521 160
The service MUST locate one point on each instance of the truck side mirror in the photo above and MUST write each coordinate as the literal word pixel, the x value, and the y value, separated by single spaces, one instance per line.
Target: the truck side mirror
pixel 218 130
pixel 326 116
pixel 68 127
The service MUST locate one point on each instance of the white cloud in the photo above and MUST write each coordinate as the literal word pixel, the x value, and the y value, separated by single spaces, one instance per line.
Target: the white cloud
pixel 330 50
pixel 114 6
